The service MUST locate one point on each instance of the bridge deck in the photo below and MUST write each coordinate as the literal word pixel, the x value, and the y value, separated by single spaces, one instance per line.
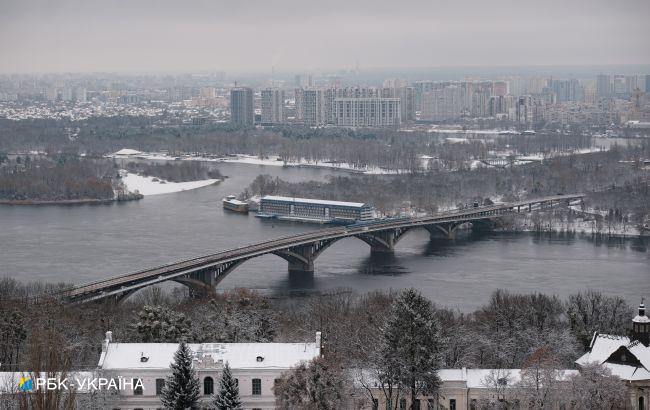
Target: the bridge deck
pixel 183 267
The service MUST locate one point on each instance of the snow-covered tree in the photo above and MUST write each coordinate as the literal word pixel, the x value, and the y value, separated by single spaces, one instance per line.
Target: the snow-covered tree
pixel 591 311
pixel 596 388
pixel 541 385
pixel 158 324
pixel 181 390
pixel 411 345
pixel 228 396
pixel 316 385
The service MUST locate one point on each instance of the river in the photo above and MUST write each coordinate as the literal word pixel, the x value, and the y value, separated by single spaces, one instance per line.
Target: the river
pixel 87 242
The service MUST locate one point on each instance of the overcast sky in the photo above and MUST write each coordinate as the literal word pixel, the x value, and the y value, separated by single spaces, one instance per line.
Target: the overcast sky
pixel 173 35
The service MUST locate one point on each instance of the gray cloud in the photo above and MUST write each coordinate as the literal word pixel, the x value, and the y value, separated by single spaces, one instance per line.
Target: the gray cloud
pixel 96 35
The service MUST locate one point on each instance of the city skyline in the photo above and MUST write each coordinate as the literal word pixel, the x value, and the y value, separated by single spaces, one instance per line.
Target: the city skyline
pixel 74 36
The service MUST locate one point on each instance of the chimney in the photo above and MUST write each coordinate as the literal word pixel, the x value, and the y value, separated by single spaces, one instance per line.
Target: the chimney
pixel 318 343
pixel 107 341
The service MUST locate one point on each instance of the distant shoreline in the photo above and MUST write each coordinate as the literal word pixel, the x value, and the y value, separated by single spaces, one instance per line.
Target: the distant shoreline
pixel 86 201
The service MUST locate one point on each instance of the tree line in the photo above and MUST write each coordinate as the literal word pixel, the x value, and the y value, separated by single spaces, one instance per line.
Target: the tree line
pixel 364 148
pixel 181 171
pixel 59 178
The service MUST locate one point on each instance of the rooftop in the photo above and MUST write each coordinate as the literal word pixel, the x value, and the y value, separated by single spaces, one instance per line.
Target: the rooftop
pixel 313 201
pixel 209 355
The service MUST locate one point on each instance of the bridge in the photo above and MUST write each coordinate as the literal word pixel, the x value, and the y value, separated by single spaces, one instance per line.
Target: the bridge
pixel 202 274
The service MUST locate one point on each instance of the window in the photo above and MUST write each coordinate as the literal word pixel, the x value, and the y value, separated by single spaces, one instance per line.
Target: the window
pixel 257 387
pixel 237 382
pixel 137 387
pixel 402 404
pixel 416 404
pixel 430 404
pixel 208 385
pixel 375 404
pixel 472 404
pixel 160 384
pixel 452 404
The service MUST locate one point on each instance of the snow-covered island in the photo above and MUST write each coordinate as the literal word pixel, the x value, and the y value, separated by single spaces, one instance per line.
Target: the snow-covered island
pixel 147 185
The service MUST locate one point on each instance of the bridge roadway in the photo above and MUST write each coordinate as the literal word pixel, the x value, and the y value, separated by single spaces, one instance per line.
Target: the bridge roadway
pixel 202 274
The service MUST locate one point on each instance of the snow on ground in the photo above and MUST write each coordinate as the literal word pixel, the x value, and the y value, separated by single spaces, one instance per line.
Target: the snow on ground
pixel 271 160
pixel 147 186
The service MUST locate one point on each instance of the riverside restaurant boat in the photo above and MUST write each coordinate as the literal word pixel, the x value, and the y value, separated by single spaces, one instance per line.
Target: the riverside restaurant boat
pixel 231 203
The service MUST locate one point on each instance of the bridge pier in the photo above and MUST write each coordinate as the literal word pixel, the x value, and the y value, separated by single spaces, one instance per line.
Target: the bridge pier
pixel 383 241
pixel 301 257
pixel 484 225
pixel 447 231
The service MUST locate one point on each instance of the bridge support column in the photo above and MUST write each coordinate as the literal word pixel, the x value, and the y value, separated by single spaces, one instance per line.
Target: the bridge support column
pixel 383 241
pixel 484 225
pixel 301 267
pixel 301 258
pixel 437 231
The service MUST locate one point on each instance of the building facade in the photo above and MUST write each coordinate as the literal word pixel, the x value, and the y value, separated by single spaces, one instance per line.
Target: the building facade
pixel 272 106
pixel 255 366
pixel 368 112
pixel 316 210
pixel 461 389
pixel 242 111
pixel 310 106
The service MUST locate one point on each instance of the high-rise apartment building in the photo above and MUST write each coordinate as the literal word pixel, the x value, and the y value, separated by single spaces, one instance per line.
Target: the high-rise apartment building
pixel 310 103
pixel 407 100
pixel 272 106
pixel 368 112
pixel 442 104
pixel 242 111
pixel 421 87
pixel 603 85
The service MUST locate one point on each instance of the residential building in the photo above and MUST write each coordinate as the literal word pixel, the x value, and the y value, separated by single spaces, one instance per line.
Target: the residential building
pixel 406 96
pixel 603 85
pixel 255 366
pixel 310 103
pixel 368 112
pixel 242 111
pixel 442 104
pixel 272 106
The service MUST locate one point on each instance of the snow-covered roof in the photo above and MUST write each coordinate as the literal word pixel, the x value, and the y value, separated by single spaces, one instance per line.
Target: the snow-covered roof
pixel 237 355
pixel 641 319
pixel 127 151
pixel 603 346
pixel 312 201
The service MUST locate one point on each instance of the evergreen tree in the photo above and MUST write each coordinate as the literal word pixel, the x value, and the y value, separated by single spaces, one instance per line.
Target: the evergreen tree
pixel 412 345
pixel 181 389
pixel 228 397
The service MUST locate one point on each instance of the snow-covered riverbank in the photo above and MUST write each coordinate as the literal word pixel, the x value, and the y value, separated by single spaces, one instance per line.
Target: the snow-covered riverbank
pixel 153 186
pixel 271 160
